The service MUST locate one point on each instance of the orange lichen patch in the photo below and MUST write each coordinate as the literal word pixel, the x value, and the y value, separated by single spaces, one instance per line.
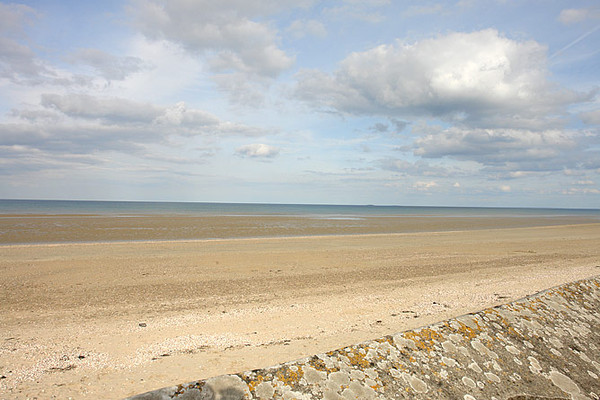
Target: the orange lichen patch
pixel 573 296
pixel 568 294
pixel 467 332
pixel 507 324
pixel 448 327
pixel 357 359
pixel 384 339
pixel 476 321
pixel 290 377
pixel 538 306
pixel 534 304
pixel 425 338
pixel 319 365
pixel 512 307
pixel 399 367
pixel 255 381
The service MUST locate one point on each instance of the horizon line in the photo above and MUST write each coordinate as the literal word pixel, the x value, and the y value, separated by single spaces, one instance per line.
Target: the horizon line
pixel 303 204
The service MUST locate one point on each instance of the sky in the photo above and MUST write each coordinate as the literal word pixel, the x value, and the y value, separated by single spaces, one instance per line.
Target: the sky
pixel 453 103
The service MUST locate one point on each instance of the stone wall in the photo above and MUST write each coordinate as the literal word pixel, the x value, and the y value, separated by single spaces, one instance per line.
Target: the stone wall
pixel 546 346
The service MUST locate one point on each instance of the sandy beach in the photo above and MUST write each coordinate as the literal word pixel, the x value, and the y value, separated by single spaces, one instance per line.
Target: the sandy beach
pixel 109 320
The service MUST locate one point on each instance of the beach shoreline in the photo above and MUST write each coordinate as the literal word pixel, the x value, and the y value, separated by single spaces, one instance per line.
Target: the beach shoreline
pixel 110 320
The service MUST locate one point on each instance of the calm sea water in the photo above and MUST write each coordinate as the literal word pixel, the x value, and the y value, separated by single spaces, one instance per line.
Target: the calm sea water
pixel 129 208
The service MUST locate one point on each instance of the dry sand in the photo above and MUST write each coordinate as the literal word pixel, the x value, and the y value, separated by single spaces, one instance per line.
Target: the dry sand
pixel 109 320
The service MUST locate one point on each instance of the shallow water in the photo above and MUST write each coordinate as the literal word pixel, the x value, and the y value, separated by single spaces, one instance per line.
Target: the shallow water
pixel 330 211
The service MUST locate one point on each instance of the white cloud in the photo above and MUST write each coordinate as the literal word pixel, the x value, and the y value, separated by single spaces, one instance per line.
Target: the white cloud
pixel 575 191
pixel 463 77
pixel 424 185
pixel 379 127
pixel 235 38
pixel 180 115
pixel 585 182
pixel 18 160
pixel 107 65
pixel 418 168
pixel 492 146
pixel 168 71
pixel 225 30
pixel 505 188
pixel 575 15
pixel 518 174
pixel 591 117
pixel 124 114
pixel 107 108
pixel 91 125
pixel 257 150
pixel 20 64
pixel 17 60
pixel 13 16
pixel 512 153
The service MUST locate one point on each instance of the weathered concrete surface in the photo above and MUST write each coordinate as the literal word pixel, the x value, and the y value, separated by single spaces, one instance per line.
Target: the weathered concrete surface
pixel 545 346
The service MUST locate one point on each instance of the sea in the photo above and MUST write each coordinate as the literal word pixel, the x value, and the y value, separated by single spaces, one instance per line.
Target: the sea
pixel 149 208
pixel 66 221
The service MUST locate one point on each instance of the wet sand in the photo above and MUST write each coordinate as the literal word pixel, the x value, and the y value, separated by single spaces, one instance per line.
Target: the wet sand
pixel 108 320
pixel 21 229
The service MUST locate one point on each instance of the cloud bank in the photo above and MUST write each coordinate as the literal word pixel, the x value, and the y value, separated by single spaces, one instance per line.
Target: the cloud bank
pixel 243 51
pixel 471 78
pixel 495 93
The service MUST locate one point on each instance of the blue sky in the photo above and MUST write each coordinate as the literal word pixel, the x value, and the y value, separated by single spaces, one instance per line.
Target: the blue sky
pixel 465 103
